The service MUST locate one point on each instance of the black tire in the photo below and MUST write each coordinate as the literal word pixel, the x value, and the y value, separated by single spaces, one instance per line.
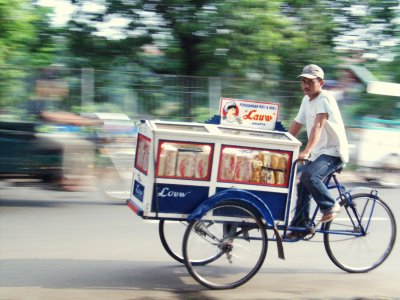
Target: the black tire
pixel 171 236
pixel 162 230
pixel 233 233
pixel 348 248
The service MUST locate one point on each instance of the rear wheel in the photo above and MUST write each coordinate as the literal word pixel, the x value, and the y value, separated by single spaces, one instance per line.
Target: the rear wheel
pixel 233 234
pixel 171 236
pixel 354 248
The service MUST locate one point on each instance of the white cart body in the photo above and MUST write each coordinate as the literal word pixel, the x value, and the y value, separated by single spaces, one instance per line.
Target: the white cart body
pixel 158 192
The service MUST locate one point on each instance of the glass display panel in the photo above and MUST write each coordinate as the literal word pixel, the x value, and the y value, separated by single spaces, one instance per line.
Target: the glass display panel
pixel 263 134
pixel 142 153
pixel 254 166
pixel 184 160
pixel 178 127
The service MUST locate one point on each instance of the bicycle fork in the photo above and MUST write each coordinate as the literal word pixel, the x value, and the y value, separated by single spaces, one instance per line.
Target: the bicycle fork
pixel 359 214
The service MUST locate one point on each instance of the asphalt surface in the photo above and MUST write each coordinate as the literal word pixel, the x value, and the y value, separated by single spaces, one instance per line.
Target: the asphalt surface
pixel 86 245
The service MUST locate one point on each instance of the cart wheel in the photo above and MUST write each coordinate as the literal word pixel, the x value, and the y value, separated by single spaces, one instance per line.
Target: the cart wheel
pixel 171 236
pixel 232 233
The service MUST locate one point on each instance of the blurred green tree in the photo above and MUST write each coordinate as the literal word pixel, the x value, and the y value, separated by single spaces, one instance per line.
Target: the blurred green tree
pixel 367 29
pixel 25 41
pixel 261 40
pixel 252 38
pixel 266 42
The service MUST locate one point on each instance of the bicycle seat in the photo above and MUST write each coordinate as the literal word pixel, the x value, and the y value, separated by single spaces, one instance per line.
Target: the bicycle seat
pixel 338 170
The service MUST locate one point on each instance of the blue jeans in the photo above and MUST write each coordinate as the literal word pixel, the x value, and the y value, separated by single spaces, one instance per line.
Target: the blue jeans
pixel 312 184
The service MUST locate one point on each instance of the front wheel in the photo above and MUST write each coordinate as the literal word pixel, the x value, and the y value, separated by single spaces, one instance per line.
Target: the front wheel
pixel 362 236
pixel 235 235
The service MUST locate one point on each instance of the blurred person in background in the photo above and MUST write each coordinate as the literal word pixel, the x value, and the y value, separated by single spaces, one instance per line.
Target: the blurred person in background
pixel 326 148
pixel 64 128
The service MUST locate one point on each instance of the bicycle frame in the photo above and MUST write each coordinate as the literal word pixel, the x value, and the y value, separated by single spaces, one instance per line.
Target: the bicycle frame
pixel 230 223
pixel 332 182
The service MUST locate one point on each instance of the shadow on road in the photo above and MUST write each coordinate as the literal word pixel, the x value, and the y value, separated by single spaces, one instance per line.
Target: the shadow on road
pixel 86 274
pixel 144 277
pixel 111 275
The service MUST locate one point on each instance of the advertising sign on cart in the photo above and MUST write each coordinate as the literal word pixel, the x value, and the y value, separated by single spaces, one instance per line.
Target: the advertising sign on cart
pixel 248 113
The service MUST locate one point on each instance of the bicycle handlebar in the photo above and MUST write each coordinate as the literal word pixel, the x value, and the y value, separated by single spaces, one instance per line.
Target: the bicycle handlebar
pixel 300 160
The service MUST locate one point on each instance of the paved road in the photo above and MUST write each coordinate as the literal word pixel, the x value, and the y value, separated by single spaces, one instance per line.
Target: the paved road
pixel 82 245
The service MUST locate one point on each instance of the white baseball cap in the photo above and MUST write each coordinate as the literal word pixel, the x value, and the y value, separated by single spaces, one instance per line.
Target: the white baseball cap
pixel 312 71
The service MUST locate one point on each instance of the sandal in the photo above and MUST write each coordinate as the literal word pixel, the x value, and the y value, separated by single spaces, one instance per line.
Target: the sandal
pixel 330 214
pixel 327 217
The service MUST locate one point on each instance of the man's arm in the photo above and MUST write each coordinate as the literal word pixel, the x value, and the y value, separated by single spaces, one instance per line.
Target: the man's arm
pixel 67 118
pixel 294 128
pixel 315 134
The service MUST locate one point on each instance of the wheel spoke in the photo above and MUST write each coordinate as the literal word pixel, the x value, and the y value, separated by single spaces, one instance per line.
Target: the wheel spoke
pixel 171 236
pixel 372 241
pixel 239 252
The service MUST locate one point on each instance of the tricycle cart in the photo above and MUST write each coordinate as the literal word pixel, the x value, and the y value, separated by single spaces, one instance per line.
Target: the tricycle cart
pixel 230 191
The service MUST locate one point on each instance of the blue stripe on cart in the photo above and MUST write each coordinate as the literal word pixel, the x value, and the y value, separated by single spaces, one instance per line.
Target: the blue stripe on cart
pixel 276 202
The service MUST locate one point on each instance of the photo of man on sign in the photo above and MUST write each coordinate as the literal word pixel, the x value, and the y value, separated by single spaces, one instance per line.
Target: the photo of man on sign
pixel 231 113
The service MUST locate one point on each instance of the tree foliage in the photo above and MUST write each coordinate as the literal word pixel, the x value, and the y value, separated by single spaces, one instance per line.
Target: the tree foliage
pixel 25 41
pixel 268 40
pixel 206 37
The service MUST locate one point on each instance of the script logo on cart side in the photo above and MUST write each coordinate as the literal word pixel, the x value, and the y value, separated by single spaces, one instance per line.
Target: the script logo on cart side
pixel 138 190
pixel 166 192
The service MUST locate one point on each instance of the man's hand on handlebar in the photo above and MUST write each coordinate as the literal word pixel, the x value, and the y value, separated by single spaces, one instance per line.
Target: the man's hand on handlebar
pixel 304 155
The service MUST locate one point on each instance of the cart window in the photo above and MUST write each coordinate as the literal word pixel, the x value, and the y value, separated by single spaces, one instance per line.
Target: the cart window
pixel 184 160
pixel 255 133
pixel 142 153
pixel 254 166
pixel 177 127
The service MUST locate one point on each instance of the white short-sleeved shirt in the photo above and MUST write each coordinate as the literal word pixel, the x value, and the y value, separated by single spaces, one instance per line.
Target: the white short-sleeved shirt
pixel 333 139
